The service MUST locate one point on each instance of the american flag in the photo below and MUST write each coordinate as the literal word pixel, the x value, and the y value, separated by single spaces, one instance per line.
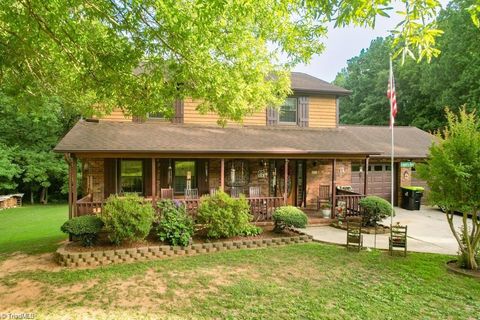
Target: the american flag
pixel 392 96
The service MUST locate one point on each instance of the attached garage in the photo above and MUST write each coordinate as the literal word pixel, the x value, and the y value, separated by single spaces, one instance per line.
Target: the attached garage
pixel 379 179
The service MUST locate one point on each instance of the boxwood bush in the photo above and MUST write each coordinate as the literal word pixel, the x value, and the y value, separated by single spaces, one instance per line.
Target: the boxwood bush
pixel 174 225
pixel 223 216
pixel 127 218
pixel 375 209
pixel 289 216
pixel 85 228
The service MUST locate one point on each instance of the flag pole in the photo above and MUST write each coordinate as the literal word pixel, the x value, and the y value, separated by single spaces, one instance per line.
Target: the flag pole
pixel 392 125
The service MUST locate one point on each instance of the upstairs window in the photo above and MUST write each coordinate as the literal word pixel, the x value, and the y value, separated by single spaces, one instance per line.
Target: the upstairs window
pixel 156 115
pixel 288 111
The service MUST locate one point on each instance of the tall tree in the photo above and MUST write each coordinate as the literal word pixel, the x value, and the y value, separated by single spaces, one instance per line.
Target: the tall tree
pixel 142 55
pixel 451 171
pixel 423 89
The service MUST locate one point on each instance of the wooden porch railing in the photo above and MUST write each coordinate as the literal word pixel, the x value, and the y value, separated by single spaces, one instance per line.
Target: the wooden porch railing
pixel 262 208
pixel 350 201
pixel 86 206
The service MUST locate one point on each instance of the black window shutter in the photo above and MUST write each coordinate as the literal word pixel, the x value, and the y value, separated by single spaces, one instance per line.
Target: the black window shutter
pixel 272 116
pixel 303 111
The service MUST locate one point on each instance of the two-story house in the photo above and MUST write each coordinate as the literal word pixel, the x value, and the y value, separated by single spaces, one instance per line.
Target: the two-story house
pixel 297 154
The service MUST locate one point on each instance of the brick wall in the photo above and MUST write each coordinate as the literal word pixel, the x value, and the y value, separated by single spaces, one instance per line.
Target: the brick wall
pixel 321 173
pixel 93 178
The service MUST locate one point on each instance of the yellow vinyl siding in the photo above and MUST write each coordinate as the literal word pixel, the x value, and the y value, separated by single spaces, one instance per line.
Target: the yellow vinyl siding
pixel 116 115
pixel 322 112
pixel 192 116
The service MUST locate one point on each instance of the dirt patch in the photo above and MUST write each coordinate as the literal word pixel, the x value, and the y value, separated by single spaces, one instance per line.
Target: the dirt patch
pixel 380 229
pixel 21 293
pixel 453 266
pixel 19 262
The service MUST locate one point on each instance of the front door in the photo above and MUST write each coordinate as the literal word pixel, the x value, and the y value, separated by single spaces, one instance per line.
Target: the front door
pixel 300 196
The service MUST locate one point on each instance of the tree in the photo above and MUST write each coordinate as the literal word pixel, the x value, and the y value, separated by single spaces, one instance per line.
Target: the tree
pixel 142 55
pixel 8 170
pixel 29 133
pixel 423 89
pixel 452 172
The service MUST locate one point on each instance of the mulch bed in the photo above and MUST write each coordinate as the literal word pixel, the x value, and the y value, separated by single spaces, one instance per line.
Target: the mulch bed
pixel 104 244
pixel 381 229
pixel 453 266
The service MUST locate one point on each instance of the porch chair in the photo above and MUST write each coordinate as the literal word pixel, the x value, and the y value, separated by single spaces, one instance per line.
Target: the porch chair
pixel 398 239
pixel 354 234
pixel 166 193
pixel 323 195
pixel 254 192
pixel 191 193
pixel 235 192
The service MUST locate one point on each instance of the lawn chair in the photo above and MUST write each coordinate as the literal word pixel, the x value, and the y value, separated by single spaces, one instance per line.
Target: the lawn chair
pixel 398 239
pixel 354 234
pixel 191 193
pixel 166 193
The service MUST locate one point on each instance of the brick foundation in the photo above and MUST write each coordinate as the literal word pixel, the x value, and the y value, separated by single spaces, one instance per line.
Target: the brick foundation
pixel 72 259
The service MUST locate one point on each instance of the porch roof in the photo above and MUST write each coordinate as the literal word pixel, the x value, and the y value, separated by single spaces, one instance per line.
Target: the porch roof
pixel 130 137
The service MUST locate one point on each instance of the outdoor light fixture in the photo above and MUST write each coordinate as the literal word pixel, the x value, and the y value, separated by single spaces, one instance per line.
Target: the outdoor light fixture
pixel 315 163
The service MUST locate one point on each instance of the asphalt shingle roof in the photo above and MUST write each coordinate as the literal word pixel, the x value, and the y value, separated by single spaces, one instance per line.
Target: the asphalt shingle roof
pixel 130 137
pixel 303 82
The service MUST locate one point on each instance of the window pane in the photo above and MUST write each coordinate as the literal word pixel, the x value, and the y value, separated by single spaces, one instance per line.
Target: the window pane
pixel 288 111
pixel 183 171
pixel 355 167
pixel 378 168
pixel 131 176
pixel 156 115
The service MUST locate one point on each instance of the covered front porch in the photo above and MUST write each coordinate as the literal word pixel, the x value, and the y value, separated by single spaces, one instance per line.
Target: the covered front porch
pixel 266 183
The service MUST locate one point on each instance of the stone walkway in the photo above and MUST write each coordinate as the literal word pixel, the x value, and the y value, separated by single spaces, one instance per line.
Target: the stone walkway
pixel 428 231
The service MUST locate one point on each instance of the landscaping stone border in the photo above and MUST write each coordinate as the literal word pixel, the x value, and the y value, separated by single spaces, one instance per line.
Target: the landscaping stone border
pixel 452 267
pixel 72 259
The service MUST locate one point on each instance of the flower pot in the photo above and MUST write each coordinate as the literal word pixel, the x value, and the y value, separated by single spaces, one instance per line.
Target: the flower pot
pixel 326 213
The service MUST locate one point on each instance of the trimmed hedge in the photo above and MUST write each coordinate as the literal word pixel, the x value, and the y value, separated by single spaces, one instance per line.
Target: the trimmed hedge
pixel 289 216
pixel 86 228
pixel 127 218
pixel 375 209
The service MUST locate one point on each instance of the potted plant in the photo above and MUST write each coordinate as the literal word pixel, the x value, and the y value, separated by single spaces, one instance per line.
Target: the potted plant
pixel 326 210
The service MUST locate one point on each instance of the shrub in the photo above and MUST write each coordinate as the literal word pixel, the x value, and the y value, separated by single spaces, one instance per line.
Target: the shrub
pixel 223 216
pixel 374 210
pixel 174 225
pixel 127 218
pixel 288 216
pixel 85 228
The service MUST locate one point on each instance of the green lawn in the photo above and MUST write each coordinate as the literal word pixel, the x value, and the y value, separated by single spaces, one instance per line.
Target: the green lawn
pixel 306 281
pixel 31 229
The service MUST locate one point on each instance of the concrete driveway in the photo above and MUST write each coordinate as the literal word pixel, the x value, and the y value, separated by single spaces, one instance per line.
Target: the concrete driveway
pixel 428 231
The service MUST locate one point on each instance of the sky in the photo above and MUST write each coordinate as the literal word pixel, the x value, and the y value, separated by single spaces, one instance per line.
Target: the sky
pixel 345 43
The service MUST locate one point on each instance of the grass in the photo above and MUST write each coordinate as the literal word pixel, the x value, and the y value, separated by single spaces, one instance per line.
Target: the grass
pixel 307 281
pixel 31 229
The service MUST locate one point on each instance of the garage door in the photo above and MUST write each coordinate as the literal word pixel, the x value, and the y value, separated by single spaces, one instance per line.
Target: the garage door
pixel 379 179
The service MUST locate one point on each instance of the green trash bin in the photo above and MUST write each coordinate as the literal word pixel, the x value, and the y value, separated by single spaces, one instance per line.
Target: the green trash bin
pixel 411 197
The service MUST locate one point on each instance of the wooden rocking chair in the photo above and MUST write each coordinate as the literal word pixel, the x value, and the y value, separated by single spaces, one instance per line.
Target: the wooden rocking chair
pixel 354 235
pixel 398 239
